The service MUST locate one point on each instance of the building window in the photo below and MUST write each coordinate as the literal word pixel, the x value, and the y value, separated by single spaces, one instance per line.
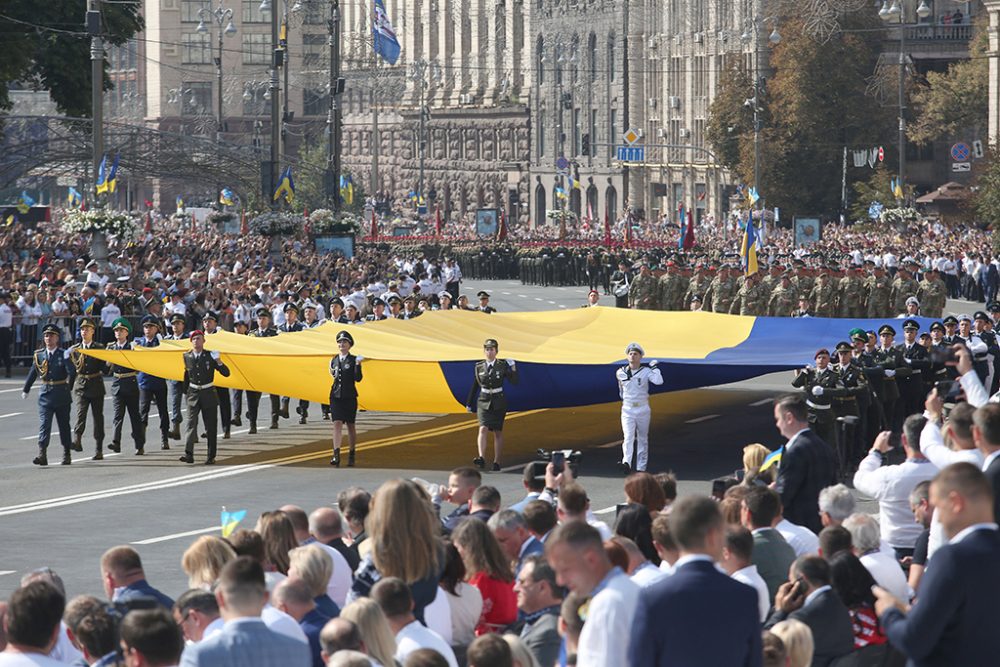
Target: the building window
pixel 593 133
pixel 257 49
pixel 541 132
pixel 577 147
pixel 611 57
pixel 314 51
pixel 540 56
pixel 315 13
pixel 197 48
pixel 197 98
pixel 612 129
pixel 315 102
pixel 592 50
pixel 254 103
pixel 189 10
pixel 253 14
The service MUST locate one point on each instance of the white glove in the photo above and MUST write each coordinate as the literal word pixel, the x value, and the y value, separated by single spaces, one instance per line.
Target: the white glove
pixel 510 362
pixel 890 373
pixel 215 355
pixel 359 358
pixel 653 363
pixel 24 395
pixel 908 361
pixel 817 391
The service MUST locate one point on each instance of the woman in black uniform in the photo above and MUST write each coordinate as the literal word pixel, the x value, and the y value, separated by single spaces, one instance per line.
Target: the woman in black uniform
pixel 346 371
pixel 492 404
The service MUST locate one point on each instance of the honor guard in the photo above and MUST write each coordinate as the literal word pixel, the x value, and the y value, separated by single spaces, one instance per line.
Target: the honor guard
pixel 409 311
pixel 292 325
pixel 152 389
pixel 912 390
pixel 890 359
pixel 263 330
pixel 52 366
pixel 484 303
pixel 981 322
pixel 951 336
pixel 378 311
pixel 177 324
pixel 337 311
pixel 310 319
pixel 870 406
pixel 491 406
pixel 345 368
pixel 125 392
pixel 88 389
pixel 854 403
pixel 444 300
pixel 210 324
pixel 633 387
pixel 240 328
pixel 821 385
pixel 200 366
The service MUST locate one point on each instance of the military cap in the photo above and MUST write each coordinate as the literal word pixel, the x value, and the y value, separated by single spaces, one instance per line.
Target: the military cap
pixel 911 325
pixel 394 299
pixel 209 315
pixel 886 329
pixel 593 291
pixel 694 298
pixel 636 347
pixel 196 333
pixel 964 317
pixel 857 332
pixel 150 320
pixel 309 305
pixel 121 323
pixel 241 323
pixel 937 325
pixel 444 294
pixel 91 263
pixel 980 315
pixel 345 335
pixel 263 311
pixel 868 262
pixel 177 317
pixel 951 319
pixel 483 294
pixel 377 302
pixel 351 304
pixel 844 346
pixel 491 342
pixel 821 351
pixel 410 299
pixel 290 306
pixel 53 329
pixel 337 301
pixel 993 306
pixel 87 322
pixel 913 301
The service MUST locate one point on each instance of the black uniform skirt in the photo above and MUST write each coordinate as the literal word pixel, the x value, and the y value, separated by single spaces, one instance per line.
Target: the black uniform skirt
pixel 492 413
pixel 343 409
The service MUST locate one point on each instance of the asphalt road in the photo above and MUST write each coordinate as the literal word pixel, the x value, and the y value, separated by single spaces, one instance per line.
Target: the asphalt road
pixel 64 517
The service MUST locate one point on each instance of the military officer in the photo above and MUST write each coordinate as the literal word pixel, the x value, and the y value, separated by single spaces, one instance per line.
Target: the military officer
pixel 125 392
pixel 643 290
pixel 410 310
pixel 890 359
pixel 293 325
pixel 874 418
pixel 152 389
pixel 200 366
pixel 263 330
pixel 491 406
pixel 854 403
pixel 821 385
pixel 444 301
pixel 669 287
pixel 877 292
pixel 633 386
pixel 904 286
pixel 912 390
pixel 210 324
pixel 345 368
pixel 850 294
pixel 53 367
pixel 784 298
pixel 951 336
pixel 940 371
pixel 88 389
pixel 824 293
pixel 981 330
pixel 177 324
pixel 751 298
pixel 484 303
pixel 378 311
pixel 803 281
pixel 621 283
pixel 240 328
pixel 933 293
pixel 721 290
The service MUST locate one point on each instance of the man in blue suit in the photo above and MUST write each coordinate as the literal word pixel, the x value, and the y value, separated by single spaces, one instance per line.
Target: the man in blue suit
pixel 52 365
pixel 955 619
pixel 125 580
pixel 245 641
pixel 808 465
pixel 698 616
pixel 516 541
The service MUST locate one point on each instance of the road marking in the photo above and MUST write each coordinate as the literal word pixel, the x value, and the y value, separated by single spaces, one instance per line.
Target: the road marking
pixel 217 473
pixel 523 296
pixel 700 419
pixel 11 414
pixel 552 302
pixel 7 391
pixel 189 533
pixel 763 401
pixel 562 306
pixel 4 572
pixel 538 298
pixel 507 293
pixel 606 510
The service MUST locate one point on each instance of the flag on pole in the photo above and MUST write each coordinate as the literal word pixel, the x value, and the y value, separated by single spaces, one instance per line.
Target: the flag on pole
pixel 347 189
pixel 752 196
pixel 374 226
pixel 748 250
pixel 230 520
pixel 689 239
pixel 383 36
pixel 226 197
pixel 286 187
pixel 502 227
pixel 102 175
pixel 607 229
pixel 149 223
pixel 73 198
pixel 437 224
pixel 112 181
pixel 682 225
pixel 180 204
pixel 628 231
pixel 25 202
pixel 897 188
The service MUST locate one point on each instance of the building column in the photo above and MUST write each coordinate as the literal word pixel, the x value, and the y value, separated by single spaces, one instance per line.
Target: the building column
pixel 993 9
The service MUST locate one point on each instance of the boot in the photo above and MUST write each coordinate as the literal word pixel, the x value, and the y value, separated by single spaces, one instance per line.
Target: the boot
pixel 237 421
pixel 41 459
pixel 175 431
pixel 140 451
pixel 274 421
pixel 77 444
pixel 350 458
pixel 253 428
pixel 115 447
pixel 98 453
pixel 163 442
pixel 225 434
pixel 284 412
pixel 335 461
pixel 302 418
pixel 186 459
pixel 66 459
pixel 479 462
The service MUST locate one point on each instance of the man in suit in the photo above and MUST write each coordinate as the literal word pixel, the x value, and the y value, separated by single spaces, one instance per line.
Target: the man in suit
pixel 772 554
pixel 150 638
pixel 199 386
pixel 807 596
pixel 955 619
pixel 52 366
pixel 124 578
pixel 698 615
pixel 88 389
pixel 808 465
pixel 245 641
pixel 986 435
pixel 539 599
pixel 516 541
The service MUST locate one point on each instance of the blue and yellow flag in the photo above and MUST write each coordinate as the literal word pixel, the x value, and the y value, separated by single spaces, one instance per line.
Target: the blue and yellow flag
pixel 73 197
pixel 102 175
pixel 24 202
pixel 774 458
pixel 748 251
pixel 286 186
pixel 226 197
pixel 573 183
pixel 112 181
pixel 10 220
pixel 347 189
pixel 230 520
pixel 560 192
pixel 180 204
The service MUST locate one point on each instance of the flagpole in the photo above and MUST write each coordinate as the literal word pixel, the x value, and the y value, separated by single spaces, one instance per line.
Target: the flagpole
pixel 334 117
pixel 97 84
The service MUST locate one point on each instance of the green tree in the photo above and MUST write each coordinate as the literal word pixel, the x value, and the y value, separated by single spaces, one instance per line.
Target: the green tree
pixel 730 120
pixel 985 200
pixel 877 188
pixel 46 46
pixel 957 99
pixel 310 180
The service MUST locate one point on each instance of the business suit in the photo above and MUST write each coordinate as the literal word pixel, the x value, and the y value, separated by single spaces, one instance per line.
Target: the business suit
pixel 542 638
pixel 199 381
pixel 247 642
pixel 830 622
pixel 954 622
pixel 993 474
pixel 530 547
pixel 697 616
pixel 808 465
pixel 140 590
pixel 773 556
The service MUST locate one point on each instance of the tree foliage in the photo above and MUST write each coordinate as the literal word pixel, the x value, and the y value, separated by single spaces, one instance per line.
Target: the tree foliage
pixel 985 200
pixel 731 119
pixel 46 46
pixel 955 100
pixel 877 188
pixel 310 180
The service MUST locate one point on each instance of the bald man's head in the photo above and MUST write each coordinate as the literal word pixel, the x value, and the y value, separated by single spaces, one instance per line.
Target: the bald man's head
pixel 325 524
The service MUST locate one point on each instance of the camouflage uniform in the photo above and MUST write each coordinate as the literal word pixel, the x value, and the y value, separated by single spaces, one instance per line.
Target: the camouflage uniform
pixel 824 297
pixel 932 295
pixel 851 296
pixel 750 300
pixel 877 294
pixel 643 292
pixel 698 285
pixel 667 290
pixel 903 287
pixel 783 301
pixel 804 284
pixel 721 292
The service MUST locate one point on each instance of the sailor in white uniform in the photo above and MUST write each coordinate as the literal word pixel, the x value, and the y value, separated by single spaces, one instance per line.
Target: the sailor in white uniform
pixel 633 387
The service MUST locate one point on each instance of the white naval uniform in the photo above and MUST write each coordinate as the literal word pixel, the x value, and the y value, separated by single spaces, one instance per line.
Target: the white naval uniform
pixel 634 390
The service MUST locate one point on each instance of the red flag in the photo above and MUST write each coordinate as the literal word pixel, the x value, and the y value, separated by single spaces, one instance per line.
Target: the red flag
pixel 438 223
pixel 607 230
pixel 628 230
pixel 148 203
pixel 244 227
pixel 149 223
pixel 374 226
pixel 689 234
pixel 83 204
pixel 502 229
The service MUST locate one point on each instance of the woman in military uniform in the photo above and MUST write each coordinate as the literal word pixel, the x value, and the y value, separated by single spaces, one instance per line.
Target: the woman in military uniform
pixel 492 404
pixel 346 371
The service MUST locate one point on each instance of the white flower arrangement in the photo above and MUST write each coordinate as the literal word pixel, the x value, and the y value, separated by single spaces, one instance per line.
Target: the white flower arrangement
pixel 324 221
pixel 276 223
pixel 112 223
pixel 220 217
pixel 899 216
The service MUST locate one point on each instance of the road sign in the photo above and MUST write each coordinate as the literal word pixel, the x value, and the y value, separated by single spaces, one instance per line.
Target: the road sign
pixel 977 149
pixel 881 154
pixel 562 164
pixel 960 152
pixel 631 136
pixel 961 166
pixel 631 153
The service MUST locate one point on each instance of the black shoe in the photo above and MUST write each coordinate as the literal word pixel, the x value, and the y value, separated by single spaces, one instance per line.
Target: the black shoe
pixel 326 416
pixel 140 452
pixel 298 411
pixel 175 432
pixel 225 434
pixel 77 445
pixel 302 419
pixel 210 462
pixel 284 413
pixel 625 467
pixel 253 428
pixel 41 460
pixel 237 421
pixel 186 459
pixel 98 456
pixel 115 447
pixel 66 459
pixel 204 435
pixel 335 461
pixel 274 423
pixel 496 467
pixel 350 460
pixel 479 462
pixel 164 444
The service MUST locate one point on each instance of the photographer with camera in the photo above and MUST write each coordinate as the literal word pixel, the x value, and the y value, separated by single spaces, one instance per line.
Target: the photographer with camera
pixel 633 387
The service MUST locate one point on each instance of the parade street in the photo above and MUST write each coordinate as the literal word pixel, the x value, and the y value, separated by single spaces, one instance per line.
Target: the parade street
pixel 72 514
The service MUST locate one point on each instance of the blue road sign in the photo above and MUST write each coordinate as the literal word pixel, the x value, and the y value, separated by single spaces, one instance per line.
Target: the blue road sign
pixel 631 153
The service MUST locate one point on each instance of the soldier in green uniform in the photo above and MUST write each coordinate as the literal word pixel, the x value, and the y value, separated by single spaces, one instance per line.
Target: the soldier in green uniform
pixel 821 385
pixel 904 286
pixel 851 294
pixel 751 299
pixel 877 292
pixel 668 286
pixel 853 404
pixel 491 406
pixel 698 285
pixel 824 293
pixel 200 366
pixel 803 281
pixel 784 298
pixel 88 389
pixel 773 278
pixel 644 290
pixel 932 293
pixel 721 291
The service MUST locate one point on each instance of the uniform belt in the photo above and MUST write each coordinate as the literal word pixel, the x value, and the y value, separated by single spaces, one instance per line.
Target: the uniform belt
pixel 635 404
pixel 817 406
pixel 89 376
pixel 201 386
pixel 55 382
pixel 843 399
pixel 981 357
pixel 498 390
pixel 125 375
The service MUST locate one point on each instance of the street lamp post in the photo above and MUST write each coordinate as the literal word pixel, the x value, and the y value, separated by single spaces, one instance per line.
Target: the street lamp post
pixel 269 168
pixel 893 13
pixel 758 89
pixel 422 72
pixel 333 118
pixel 221 16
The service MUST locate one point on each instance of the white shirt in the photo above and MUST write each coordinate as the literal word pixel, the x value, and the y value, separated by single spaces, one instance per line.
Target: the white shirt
pixel 932 446
pixel 752 578
pixel 965 532
pixel 891 487
pixel 64 651
pixel 608 630
pixel 465 608
pixel 635 384
pixel 801 539
pixel 601 527
pixel 415 636
pixel 887 573
pixel 28 660
pixel 437 615
pixel 6 316
pixel 282 623
pixel 340 581
pixel 213 628
pixel 646 575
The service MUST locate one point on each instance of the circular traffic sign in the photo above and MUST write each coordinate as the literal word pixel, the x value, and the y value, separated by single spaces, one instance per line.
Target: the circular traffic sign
pixel 960 152
pixel 562 164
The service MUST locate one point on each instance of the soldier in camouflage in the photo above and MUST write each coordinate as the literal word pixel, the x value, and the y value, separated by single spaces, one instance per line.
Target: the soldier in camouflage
pixel 669 285
pixel 904 286
pixel 824 294
pixel 851 294
pixel 721 291
pixel 784 298
pixel 698 285
pixel 932 293
pixel 803 281
pixel 877 293
pixel 644 290
pixel 751 299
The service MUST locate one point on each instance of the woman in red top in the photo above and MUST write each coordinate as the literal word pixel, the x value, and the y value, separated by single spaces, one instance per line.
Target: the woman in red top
pixel 488 570
pixel 853 583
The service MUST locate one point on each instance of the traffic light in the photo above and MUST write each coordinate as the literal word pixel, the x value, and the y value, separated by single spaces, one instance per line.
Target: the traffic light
pixel 585 143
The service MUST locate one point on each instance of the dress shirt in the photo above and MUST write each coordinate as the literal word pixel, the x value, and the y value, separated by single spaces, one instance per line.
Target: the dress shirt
pixel 965 532
pixel 635 383
pixel 605 636
pixel 887 573
pixel 801 539
pixel 646 575
pixel 752 578
pixel 989 459
pixel 932 446
pixel 415 636
pixel 282 623
pixel 815 594
pixel 519 506
pixel 891 487
pixel 213 628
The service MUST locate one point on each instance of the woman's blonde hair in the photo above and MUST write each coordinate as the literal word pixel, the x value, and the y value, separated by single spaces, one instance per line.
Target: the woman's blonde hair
pixel 404 532
pixel 204 560
pixel 798 640
pixel 374 629
pixel 313 566
pixel 278 534
pixel 753 457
